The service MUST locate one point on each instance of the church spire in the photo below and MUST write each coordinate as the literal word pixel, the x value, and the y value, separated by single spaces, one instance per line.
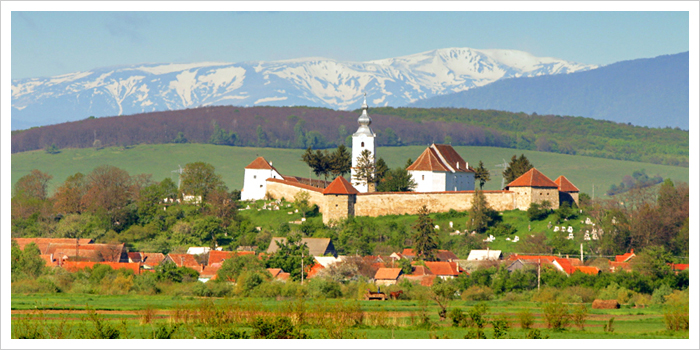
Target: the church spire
pixel 364 119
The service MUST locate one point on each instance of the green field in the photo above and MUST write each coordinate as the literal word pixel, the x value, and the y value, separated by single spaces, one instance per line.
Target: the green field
pixel 377 319
pixel 161 160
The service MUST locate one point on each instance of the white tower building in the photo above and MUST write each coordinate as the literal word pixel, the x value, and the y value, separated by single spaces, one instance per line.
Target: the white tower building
pixel 362 140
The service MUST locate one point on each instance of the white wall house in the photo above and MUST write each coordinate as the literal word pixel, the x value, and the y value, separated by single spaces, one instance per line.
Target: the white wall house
pixel 362 140
pixel 254 184
pixel 440 168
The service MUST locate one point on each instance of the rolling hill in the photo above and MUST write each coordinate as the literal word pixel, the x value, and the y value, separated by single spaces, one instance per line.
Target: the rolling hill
pixel 161 160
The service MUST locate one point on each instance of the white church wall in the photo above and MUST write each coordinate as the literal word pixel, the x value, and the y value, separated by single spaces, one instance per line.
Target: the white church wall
pixel 360 143
pixel 254 185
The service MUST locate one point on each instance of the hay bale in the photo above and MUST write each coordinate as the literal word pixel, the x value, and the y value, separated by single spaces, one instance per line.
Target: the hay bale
pixel 605 304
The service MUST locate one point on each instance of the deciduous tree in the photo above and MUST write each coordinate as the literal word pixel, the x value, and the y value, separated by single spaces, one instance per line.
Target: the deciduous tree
pixel 200 179
pixel 482 175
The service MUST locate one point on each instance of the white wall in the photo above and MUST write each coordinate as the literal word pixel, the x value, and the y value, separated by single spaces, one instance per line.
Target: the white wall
pixel 428 181
pixel 254 185
pixel 357 148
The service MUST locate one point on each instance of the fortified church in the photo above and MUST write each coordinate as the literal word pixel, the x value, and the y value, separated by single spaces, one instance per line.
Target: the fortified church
pixel 444 181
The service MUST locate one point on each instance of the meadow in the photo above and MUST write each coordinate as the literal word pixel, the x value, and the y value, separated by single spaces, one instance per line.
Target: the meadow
pixel 138 316
pixel 161 161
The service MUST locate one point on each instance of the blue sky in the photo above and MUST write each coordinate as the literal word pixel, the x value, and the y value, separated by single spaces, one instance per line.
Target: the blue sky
pixel 54 43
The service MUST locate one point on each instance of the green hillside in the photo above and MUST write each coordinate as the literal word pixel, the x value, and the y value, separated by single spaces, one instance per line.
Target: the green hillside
pixel 161 160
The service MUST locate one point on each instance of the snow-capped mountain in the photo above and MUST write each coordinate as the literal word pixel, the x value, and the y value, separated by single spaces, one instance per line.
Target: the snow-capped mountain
pixel 318 82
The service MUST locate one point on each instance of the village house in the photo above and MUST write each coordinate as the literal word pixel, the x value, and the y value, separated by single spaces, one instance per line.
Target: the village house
pixel 440 168
pixel 387 276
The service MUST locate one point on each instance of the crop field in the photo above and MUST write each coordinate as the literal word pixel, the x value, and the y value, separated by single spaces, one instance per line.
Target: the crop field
pixel 161 161
pixel 136 316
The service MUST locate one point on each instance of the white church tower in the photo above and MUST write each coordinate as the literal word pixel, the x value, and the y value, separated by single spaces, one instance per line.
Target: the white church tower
pixel 362 140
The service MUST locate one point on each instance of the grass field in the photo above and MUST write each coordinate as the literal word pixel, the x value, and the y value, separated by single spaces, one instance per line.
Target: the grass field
pixel 138 316
pixel 161 160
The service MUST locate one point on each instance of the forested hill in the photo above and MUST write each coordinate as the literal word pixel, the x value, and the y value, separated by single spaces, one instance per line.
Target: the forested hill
pixel 302 127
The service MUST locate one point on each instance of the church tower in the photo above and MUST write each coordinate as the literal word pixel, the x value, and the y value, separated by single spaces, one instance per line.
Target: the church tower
pixel 362 140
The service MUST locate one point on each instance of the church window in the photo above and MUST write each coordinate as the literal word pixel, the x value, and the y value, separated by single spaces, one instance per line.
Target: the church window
pixel 362 144
pixel 260 186
pixel 423 177
pixel 255 176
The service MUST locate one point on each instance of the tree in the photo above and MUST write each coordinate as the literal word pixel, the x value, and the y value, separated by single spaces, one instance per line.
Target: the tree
pixel 209 229
pixel 340 161
pixel 180 138
pixel 109 189
pixel 424 239
pixel 516 167
pixel 381 170
pixel 262 136
pixel 222 137
pixel 396 180
pixel 482 175
pixel 234 267
pixel 200 179
pixel 222 205
pixel 390 137
pixel 68 197
pixel 442 293
pixel 52 149
pixel 318 161
pixel 482 216
pixel 365 169
pixel 288 257
pixel 33 185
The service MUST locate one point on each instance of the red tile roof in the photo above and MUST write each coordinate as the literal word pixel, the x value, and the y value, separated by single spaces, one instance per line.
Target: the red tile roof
pixel 43 243
pixel 152 259
pixel 591 270
pixel 420 270
pixel 440 158
pixel 442 268
pixel 408 252
pixel 259 163
pixel 186 260
pixel 387 274
pixel 565 185
pixel 428 161
pixel 314 270
pixel 274 272
pixel 427 280
pixel 217 256
pixel 445 255
pixel 625 257
pixel 134 257
pixel 680 267
pixel 451 157
pixel 210 271
pixel 340 186
pixel 532 178
pixel 94 252
pixel 295 184
pixel 565 265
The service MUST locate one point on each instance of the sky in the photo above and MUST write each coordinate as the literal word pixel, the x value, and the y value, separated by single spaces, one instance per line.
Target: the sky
pixel 54 43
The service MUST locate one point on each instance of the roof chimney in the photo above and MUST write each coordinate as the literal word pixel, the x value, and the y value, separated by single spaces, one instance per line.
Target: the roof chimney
pixel 270 163
pixel 632 250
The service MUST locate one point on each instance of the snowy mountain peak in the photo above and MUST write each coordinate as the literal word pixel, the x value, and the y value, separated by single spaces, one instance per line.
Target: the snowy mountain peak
pixel 311 81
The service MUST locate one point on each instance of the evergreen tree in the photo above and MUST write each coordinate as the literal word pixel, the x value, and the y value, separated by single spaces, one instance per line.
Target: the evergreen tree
pixel 262 136
pixel 318 161
pixel 481 215
pixel 516 167
pixel 482 175
pixel 222 137
pixel 424 239
pixel 381 169
pixel 180 138
pixel 365 171
pixel 340 161
pixel 409 162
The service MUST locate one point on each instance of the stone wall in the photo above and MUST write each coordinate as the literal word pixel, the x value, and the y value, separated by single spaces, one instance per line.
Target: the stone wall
pixel 288 189
pixel 396 203
pixel 541 194
pixel 337 207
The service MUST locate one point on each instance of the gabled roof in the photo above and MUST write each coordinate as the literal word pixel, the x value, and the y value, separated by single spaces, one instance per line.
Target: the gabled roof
pixel 591 270
pixel 314 270
pixel 152 259
pixel 408 253
pixel 217 256
pixel 440 158
pixel 445 255
pixel 43 243
pixel 625 257
pixel 532 178
pixel 340 186
pixel 387 273
pixel 186 260
pixel 442 268
pixel 259 163
pixel 134 257
pixel 73 266
pixel 564 265
pixel 95 252
pixel 565 185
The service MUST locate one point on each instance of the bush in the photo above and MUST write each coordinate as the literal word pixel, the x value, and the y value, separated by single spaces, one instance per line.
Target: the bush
pixel 323 288
pixel 579 315
pixel 500 327
pixel 536 334
pixel 477 293
pixel 526 319
pixel 459 319
pixel 270 289
pixel 477 315
pixel 276 328
pixel 676 311
pixel 537 212
pixel 583 294
pixel 660 294
pixel 557 316
pixel 475 334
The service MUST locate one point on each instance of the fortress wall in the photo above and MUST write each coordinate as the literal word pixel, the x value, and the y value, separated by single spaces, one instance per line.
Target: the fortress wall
pixel 540 194
pixel 388 203
pixel 286 189
pixel 337 207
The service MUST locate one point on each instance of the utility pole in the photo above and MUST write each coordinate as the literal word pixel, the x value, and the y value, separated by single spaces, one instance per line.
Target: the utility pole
pixel 302 267
pixel 581 253
pixel 539 264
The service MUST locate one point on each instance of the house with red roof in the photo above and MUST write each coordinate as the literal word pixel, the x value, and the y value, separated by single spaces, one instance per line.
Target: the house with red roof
pixel 386 276
pixel 440 168
pixel 443 269
pixel 279 275
pixel 218 256
pixel 534 187
pixel 186 260
pixel 254 184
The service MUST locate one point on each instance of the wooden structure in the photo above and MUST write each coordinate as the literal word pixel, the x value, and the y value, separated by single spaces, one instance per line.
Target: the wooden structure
pixel 370 295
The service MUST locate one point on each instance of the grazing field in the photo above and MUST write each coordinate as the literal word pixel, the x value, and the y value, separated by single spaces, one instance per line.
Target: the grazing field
pixel 136 316
pixel 161 161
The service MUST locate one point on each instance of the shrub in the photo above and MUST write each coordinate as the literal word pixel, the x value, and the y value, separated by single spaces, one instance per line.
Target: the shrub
pixel 536 334
pixel 477 293
pixel 537 212
pixel 475 334
pixel 660 294
pixel 500 327
pixel 165 331
pixel 270 289
pixel 676 311
pixel 459 319
pixel 276 328
pixel 609 327
pixel 102 329
pixel 477 315
pixel 579 315
pixel 557 316
pixel 583 294
pixel 545 295
pixel 324 288
pixel 526 319
pixel 201 290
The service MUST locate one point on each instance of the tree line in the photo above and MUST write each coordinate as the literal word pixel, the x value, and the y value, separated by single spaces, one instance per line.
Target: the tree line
pixel 302 127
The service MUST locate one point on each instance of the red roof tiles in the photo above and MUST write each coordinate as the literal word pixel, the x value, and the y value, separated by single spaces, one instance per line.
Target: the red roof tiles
pixel 217 256
pixel 532 178
pixel 428 161
pixel 43 243
pixel 387 273
pixel 591 270
pixel 73 266
pixel 186 260
pixel 565 185
pixel 440 158
pixel 625 257
pixel 340 186
pixel 314 270
pixel 259 163
pixel 442 268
